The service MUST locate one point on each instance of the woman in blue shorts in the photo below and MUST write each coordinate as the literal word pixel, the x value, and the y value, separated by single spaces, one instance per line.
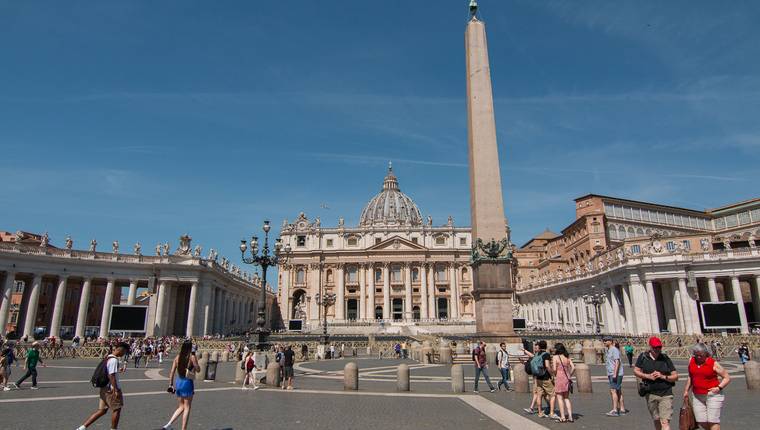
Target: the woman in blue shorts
pixel 184 367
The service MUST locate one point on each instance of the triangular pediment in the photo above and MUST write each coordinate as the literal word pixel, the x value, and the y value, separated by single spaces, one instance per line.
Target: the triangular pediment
pixel 396 243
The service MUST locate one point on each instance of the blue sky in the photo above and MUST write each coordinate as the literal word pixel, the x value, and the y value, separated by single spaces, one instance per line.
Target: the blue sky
pixel 143 120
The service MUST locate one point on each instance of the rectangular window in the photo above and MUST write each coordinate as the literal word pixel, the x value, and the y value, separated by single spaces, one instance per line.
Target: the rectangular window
pixel 414 240
pixel 661 218
pixel 415 275
pixel 670 245
pixel 645 215
pixel 627 212
pixel 440 240
pixel 329 243
pixel 731 221
pixel 636 214
pixel 755 214
pixel 635 249
pixel 352 276
pixel 301 241
pixel 378 275
pixel 463 241
pixel 440 273
pixel 396 273
pixel 608 209
pixel 618 211
pixel 352 241
pixel 743 218
pixel 686 245
pixel 669 218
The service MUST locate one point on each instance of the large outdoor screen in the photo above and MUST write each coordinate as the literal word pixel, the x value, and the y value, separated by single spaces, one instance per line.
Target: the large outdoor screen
pixel 295 325
pixel 518 323
pixel 719 315
pixel 128 318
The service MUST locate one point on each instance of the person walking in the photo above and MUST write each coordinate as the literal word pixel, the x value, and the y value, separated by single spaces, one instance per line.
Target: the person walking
pixel 629 353
pixel 288 359
pixel 743 352
pixel 563 369
pixel 32 359
pixel 111 396
pixel 614 377
pixel 481 365
pixel 707 379
pixel 502 360
pixel 4 368
pixel 658 376
pixel 249 364
pixel 184 366
pixel 305 352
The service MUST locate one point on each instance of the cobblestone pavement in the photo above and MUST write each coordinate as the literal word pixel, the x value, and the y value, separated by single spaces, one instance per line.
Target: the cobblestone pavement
pixel 65 398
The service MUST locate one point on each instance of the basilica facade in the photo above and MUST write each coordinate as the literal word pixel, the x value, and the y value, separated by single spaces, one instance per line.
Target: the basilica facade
pixel 395 266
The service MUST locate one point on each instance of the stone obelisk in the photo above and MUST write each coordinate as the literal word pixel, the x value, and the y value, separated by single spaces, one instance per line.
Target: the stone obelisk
pixel 491 256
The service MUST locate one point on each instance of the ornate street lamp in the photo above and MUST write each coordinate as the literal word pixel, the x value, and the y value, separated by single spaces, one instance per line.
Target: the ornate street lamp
pixel 280 256
pixel 595 299
pixel 325 300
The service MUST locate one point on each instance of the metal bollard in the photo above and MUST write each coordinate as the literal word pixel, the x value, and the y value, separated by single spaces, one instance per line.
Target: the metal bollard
pixel 457 378
pixel 752 374
pixel 402 378
pixel 351 377
pixel 583 377
pixel 521 383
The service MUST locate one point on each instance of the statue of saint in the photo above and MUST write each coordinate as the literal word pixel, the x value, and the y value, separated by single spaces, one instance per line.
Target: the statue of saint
pixel 158 250
pixel 138 248
pixel 69 243
pixel 115 246
pixel 197 251
pixel 166 249
pixel 93 245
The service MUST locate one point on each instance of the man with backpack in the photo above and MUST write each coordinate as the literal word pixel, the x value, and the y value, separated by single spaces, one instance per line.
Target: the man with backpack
pixel 502 361
pixel 539 368
pixel 106 378
pixel 481 365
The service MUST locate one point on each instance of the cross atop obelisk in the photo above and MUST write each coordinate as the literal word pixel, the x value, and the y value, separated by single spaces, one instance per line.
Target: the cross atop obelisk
pixel 491 257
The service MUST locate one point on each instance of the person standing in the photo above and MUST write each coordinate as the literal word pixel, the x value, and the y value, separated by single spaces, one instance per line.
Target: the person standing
pixel 4 368
pixel 249 364
pixel 305 352
pixel 707 379
pixel 540 366
pixel 658 375
pixel 614 377
pixel 111 396
pixel 502 360
pixel 32 359
pixel 481 365
pixel 184 366
pixel 288 358
pixel 629 353
pixel 563 369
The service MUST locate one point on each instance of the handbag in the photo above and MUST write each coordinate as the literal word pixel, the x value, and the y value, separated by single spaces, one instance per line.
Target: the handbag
pixel 643 388
pixel 686 419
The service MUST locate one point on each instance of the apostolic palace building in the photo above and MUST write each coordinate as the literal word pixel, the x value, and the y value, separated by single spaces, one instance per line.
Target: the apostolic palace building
pixel 650 264
pixel 65 292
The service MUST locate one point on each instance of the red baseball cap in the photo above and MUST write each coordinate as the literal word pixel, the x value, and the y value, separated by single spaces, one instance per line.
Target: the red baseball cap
pixel 655 342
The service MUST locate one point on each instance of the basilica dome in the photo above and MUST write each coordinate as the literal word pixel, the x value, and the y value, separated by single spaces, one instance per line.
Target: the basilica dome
pixel 390 206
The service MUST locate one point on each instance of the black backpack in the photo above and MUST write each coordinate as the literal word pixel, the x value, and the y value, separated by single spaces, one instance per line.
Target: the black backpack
pixel 100 377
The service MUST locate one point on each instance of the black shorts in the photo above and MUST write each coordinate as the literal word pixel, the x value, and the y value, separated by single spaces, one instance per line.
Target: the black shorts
pixel 287 372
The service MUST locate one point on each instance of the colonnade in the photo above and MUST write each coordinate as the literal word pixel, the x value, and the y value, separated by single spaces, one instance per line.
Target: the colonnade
pixel 641 304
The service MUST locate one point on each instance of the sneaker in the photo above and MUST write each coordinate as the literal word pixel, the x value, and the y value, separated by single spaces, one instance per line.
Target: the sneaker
pixel 475 391
pixel 35 388
pixel 255 387
pixel 529 411
pixel 554 416
pixel 510 389
pixel 492 390
pixel 290 388
pixel 624 411
pixel 613 414
pixel 6 388
pixel 245 388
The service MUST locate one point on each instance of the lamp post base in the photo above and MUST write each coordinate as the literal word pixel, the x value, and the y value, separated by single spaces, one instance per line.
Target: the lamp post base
pixel 260 340
pixel 324 339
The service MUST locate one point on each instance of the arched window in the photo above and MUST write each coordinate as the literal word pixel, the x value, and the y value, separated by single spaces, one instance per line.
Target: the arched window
pixel 351 275
pixel 415 275
pixel 613 233
pixel 621 232
pixel 639 231
pixel 396 273
pixel 378 312
pixel 379 277
pixel 631 232
pixel 416 312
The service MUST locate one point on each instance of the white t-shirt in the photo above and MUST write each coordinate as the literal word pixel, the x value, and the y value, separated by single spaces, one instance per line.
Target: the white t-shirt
pixel 112 365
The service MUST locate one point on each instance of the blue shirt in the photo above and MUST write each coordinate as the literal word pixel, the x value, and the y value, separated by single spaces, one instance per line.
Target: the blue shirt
pixel 612 355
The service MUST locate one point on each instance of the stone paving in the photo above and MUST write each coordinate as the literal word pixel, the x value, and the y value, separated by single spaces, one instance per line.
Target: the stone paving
pixel 65 398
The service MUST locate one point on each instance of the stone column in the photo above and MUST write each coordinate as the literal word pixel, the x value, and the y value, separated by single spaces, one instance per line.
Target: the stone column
pixel 689 306
pixel 653 320
pixel 207 313
pixel 60 295
pixel 217 309
pixel 31 307
pixel 640 306
pixel 423 292
pixel 362 292
pixel 754 286
pixel 386 291
pixel 371 293
pixel 5 299
pixel 315 275
pixel 161 308
pixel 84 301
pixel 616 321
pixel 432 312
pixel 285 294
pixel 407 292
pixel 609 316
pixel 340 299
pixel 189 330
pixel 105 316
pixel 736 292
pixel 630 322
pixel 132 296
pixel 713 290
pixel 681 321
pixel 454 291
pixel 668 307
